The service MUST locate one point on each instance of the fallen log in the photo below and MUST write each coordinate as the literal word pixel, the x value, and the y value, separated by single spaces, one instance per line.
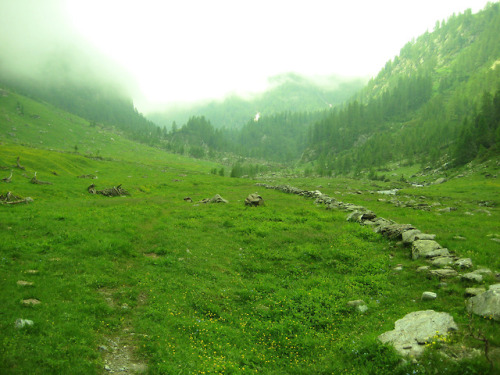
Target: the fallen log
pixel 10 198
pixel 36 181
pixel 19 165
pixel 115 191
pixel 8 179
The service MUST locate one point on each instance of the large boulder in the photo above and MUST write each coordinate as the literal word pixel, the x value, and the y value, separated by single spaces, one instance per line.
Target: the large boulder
pixel 254 200
pixel 422 248
pixel 486 304
pixel 412 332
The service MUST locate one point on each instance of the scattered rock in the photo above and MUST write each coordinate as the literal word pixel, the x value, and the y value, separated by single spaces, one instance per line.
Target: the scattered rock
pixel 361 216
pixel 421 248
pixel 423 269
pixel 394 231
pixel 439 253
pixel 459 238
pixel 439 181
pixel 356 303
pixel 429 296
pixel 486 304
pixel 21 323
pixel 25 283
pixel 218 199
pixel 409 235
pixel 494 287
pixel 254 200
pixel 442 261
pixel 188 199
pixel 447 209
pixel 362 308
pixel 443 273
pixel 31 272
pixel 388 192
pixel 416 329
pixel 472 292
pixel 483 271
pixel 472 276
pixel 463 263
pixel 359 305
pixel 30 302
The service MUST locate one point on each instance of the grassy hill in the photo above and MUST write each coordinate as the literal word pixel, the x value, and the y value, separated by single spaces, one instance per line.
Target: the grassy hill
pixel 152 283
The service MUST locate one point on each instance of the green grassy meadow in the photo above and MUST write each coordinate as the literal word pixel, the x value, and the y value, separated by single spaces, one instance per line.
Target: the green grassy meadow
pixel 193 288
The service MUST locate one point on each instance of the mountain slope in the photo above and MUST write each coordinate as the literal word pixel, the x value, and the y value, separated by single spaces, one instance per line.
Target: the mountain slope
pixel 418 106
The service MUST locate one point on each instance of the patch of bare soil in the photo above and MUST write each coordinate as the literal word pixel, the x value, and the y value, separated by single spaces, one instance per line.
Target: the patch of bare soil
pixel 119 350
pixel 119 355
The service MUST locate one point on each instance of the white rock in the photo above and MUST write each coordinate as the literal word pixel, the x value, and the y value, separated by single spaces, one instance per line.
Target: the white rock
pixel 362 308
pixel 418 327
pixel 442 261
pixel 494 287
pixel 464 263
pixel 472 292
pixel 421 248
pixel 486 304
pixel 21 323
pixel 428 296
pixel 472 276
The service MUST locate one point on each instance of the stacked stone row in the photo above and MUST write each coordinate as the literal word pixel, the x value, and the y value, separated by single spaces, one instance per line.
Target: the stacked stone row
pixel 423 246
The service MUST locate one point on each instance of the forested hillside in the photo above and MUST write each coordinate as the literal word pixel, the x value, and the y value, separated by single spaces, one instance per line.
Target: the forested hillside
pixel 437 101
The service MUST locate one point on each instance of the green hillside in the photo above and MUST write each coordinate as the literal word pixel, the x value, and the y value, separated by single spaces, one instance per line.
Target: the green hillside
pixel 152 283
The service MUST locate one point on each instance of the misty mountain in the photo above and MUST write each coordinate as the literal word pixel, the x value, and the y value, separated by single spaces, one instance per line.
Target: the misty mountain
pixel 288 92
pixel 43 58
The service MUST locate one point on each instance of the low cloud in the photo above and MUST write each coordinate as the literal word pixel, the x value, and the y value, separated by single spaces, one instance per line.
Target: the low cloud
pixel 38 43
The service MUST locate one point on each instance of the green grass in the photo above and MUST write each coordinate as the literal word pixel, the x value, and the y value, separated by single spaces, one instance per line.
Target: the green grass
pixel 199 289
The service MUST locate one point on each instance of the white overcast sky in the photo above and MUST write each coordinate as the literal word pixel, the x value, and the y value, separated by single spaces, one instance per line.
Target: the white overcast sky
pixel 186 50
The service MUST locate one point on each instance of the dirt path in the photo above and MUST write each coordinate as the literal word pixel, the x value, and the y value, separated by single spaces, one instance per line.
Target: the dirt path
pixel 119 350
